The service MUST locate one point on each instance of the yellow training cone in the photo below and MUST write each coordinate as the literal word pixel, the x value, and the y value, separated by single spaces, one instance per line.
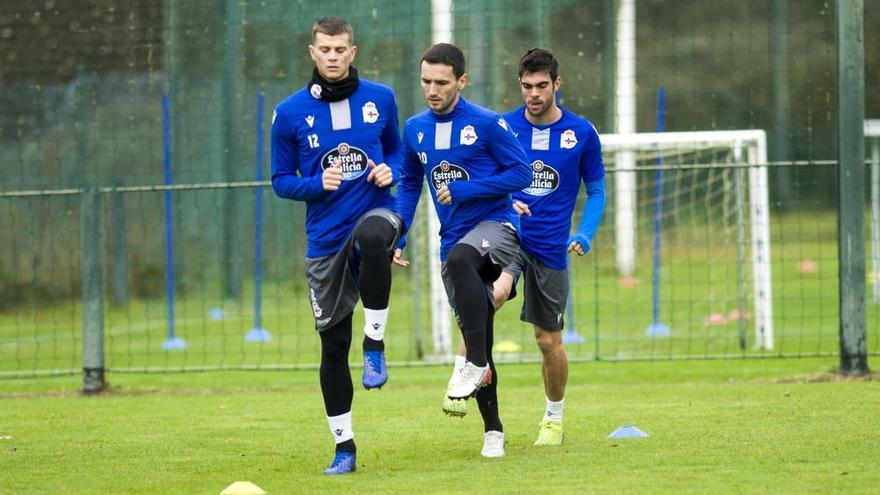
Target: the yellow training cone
pixel 243 488
pixel 505 346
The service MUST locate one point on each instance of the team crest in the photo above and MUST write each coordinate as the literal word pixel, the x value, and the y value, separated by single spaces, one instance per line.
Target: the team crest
pixel 568 139
pixel 371 114
pixel 468 135
pixel 315 91
pixel 420 135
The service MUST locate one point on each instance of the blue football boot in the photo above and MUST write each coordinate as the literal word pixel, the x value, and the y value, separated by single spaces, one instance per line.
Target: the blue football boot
pixel 343 463
pixel 375 369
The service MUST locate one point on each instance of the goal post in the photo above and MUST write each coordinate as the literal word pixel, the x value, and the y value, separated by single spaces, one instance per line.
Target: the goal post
pixel 745 148
pixel 872 146
pixel 737 163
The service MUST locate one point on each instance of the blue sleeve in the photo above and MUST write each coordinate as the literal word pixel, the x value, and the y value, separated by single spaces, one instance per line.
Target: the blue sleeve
pixel 516 174
pixel 392 146
pixel 410 188
pixel 286 180
pixel 594 207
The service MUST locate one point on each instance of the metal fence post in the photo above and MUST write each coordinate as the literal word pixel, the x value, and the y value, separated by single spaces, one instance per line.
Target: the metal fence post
pixel 851 184
pixel 91 264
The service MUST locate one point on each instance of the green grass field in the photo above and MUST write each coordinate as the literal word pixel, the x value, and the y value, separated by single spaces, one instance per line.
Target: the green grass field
pixel 732 426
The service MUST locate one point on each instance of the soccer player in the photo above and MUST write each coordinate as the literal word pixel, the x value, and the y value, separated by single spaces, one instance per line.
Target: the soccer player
pixel 336 146
pixel 472 163
pixel 563 150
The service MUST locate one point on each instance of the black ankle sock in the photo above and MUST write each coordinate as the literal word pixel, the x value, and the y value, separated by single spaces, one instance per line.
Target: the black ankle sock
pixel 373 345
pixel 346 446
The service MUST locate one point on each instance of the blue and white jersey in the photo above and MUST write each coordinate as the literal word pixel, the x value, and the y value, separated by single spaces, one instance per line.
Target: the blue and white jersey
pixel 562 155
pixel 308 135
pixel 472 152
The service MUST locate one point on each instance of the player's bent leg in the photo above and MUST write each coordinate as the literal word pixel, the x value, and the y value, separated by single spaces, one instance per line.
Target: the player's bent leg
pixel 464 265
pixel 554 370
pixel 374 237
pixel 501 289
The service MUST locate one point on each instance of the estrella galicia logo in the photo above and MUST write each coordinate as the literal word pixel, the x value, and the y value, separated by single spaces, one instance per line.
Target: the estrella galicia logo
pixel 446 172
pixel 352 160
pixel 545 179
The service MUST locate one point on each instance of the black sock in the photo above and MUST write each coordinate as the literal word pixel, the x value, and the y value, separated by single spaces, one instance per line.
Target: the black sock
pixel 474 340
pixel 487 397
pixel 346 446
pixel 373 345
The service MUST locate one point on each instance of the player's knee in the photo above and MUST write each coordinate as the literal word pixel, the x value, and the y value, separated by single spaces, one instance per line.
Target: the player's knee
pixel 336 341
pixel 374 235
pixel 548 342
pixel 501 294
pixel 462 260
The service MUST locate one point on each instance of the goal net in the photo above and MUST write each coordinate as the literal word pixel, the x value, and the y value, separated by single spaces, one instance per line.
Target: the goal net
pixel 702 199
pixel 694 221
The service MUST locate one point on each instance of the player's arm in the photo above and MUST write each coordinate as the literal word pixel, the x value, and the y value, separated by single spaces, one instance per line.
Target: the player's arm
pixel 388 173
pixel 409 190
pixel 593 174
pixel 515 173
pixel 286 179
pixel 594 207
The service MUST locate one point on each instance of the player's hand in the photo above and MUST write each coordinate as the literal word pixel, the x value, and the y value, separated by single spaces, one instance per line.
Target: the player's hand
pixel 521 208
pixel 444 196
pixel 332 177
pixel 380 174
pixel 577 248
pixel 398 259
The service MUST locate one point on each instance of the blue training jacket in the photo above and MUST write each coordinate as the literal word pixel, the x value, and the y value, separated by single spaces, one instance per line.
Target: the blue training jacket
pixel 309 134
pixel 472 151
pixel 562 155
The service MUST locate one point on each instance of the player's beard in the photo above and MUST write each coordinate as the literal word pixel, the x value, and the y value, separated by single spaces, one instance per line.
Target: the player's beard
pixel 545 107
pixel 447 106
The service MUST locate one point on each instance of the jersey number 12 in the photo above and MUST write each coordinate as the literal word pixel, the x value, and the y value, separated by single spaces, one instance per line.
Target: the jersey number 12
pixel 313 140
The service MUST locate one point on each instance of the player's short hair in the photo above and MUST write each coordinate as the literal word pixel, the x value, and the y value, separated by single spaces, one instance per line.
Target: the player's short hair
pixel 539 60
pixel 333 26
pixel 446 54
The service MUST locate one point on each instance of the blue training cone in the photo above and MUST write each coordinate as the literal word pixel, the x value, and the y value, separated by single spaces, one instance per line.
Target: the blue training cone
pixel 658 330
pixel 258 335
pixel 628 432
pixel 174 343
pixel 572 337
